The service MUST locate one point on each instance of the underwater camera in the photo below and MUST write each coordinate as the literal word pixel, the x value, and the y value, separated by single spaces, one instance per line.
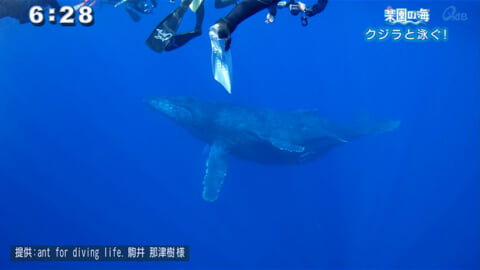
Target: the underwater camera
pixel 294 9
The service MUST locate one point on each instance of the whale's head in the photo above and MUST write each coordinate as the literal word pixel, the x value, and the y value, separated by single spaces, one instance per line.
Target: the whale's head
pixel 179 109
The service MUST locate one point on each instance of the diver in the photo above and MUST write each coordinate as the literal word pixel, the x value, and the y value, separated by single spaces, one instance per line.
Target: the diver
pixel 164 36
pixel 224 27
pixel 134 7
pixel 19 9
pixel 181 39
pixel 220 33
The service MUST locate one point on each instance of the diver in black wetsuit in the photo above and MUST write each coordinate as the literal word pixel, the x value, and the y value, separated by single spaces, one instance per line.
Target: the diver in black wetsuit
pixel 178 40
pixel 19 9
pixel 134 7
pixel 165 37
pixel 224 27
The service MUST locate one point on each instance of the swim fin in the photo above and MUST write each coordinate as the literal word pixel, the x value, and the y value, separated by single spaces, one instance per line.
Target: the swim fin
pixel 221 60
pixel 178 40
pixel 195 5
pixel 165 30
pixel 181 39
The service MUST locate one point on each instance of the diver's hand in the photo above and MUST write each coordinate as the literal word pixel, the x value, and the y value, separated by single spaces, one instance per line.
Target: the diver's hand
pixel 302 6
pixel 270 18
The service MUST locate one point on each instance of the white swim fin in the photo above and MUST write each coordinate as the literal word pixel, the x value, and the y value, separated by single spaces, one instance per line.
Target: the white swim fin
pixel 221 60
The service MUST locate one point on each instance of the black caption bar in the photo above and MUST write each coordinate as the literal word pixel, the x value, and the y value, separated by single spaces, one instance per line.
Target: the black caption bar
pixel 99 253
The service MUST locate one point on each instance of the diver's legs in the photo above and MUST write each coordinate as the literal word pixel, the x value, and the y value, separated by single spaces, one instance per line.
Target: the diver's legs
pixel 244 10
pixel 200 15
pixel 224 27
pixel 162 35
pixel 179 40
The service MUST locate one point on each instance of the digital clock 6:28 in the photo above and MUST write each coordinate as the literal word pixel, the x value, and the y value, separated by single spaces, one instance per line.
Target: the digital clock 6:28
pixel 38 16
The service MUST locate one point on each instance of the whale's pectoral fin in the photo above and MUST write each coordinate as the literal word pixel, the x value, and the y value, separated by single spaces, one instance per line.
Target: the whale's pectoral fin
pixel 215 172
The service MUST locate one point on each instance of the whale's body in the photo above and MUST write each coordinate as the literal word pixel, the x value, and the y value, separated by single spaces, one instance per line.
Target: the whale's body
pixel 259 135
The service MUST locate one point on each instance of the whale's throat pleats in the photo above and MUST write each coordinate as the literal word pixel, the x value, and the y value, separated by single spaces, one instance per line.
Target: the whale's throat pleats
pixel 215 172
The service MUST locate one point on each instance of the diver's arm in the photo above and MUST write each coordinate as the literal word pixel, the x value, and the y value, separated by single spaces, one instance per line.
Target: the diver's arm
pixel 317 8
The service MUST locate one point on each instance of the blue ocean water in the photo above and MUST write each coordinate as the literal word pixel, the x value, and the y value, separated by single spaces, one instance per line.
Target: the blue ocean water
pixel 85 162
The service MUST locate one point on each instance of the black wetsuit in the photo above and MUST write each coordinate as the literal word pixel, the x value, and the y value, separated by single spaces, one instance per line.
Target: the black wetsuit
pixel 247 8
pixel 165 37
pixel 19 9
pixel 180 39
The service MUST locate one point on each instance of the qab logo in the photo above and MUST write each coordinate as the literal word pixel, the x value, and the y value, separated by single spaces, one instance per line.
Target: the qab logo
pixel 451 14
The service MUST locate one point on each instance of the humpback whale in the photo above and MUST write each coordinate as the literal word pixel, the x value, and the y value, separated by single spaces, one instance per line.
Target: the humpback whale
pixel 259 135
